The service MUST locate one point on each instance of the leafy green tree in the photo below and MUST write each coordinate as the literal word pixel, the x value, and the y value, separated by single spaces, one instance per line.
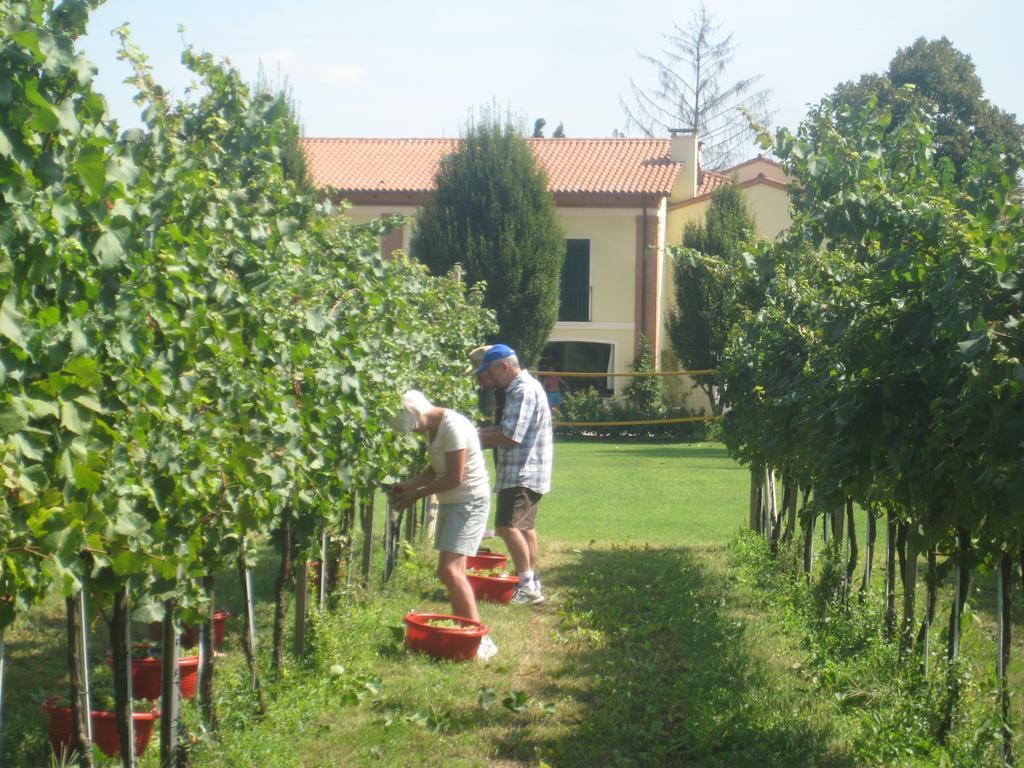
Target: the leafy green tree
pixel 538 129
pixel 945 83
pixel 492 213
pixel 293 159
pixel 706 302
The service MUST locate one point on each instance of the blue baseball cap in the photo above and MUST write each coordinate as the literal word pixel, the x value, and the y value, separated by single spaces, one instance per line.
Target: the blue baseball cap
pixel 496 352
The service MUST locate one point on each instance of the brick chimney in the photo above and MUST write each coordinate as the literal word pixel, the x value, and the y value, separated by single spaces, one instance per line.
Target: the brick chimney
pixel 685 149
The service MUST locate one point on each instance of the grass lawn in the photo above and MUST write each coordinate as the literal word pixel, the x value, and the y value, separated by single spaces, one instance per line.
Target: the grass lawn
pixel 657 494
pixel 654 648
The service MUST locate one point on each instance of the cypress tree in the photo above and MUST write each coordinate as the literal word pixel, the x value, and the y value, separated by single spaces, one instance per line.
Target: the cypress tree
pixel 492 213
pixel 705 307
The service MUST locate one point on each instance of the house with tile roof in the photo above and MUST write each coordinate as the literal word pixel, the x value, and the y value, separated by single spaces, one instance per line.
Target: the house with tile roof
pixel 620 201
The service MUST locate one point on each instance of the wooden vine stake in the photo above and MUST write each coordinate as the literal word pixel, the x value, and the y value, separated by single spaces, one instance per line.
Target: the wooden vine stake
pixel 410 524
pixel 1003 596
pixel 325 541
pixel 2 665
pixel 963 585
pixel 78 670
pixel 909 592
pixel 121 649
pixel 890 574
pixel 301 604
pixel 963 589
pixel 429 516
pixel 392 531
pixel 206 657
pixel 929 611
pixel 350 539
pixel 284 574
pixel 367 525
pixel 869 555
pixel 249 636
pixel 169 752
pixel 809 521
pixel 755 502
pixel 852 550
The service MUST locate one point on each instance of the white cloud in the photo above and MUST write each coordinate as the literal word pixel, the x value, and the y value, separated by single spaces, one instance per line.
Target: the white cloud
pixel 352 74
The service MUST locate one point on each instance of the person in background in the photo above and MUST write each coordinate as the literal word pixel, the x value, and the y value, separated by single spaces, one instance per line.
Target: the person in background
pixel 458 476
pixel 524 443
pixel 492 402
pixel 475 358
pixel 553 385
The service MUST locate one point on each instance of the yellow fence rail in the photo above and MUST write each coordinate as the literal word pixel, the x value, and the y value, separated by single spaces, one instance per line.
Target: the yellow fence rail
pixel 596 375
pixel 637 423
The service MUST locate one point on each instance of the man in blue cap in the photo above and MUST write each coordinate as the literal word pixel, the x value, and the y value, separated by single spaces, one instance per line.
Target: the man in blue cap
pixel 524 443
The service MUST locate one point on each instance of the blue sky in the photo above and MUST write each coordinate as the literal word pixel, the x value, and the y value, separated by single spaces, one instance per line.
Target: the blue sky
pixel 407 68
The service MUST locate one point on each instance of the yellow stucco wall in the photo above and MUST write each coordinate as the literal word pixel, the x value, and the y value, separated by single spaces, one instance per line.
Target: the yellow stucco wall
pixel 768 204
pixel 678 218
pixel 363 214
pixel 612 233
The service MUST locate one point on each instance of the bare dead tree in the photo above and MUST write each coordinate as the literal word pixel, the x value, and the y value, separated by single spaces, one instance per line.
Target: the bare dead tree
pixel 691 93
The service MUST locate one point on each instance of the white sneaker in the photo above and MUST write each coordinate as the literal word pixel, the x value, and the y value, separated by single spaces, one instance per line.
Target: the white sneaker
pixel 527 595
pixel 486 649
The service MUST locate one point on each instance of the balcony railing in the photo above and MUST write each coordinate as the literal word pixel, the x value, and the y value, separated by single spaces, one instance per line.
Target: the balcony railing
pixel 575 304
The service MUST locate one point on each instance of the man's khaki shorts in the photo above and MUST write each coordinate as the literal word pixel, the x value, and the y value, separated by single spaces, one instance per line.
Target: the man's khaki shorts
pixel 517 508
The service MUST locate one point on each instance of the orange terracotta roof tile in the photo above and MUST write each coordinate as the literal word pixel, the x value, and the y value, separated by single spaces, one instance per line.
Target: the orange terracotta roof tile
pixel 376 165
pixel 759 158
pixel 711 181
pixel 573 166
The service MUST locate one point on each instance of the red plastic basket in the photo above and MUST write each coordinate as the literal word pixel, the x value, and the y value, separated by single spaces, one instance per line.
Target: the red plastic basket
pixel 484 561
pixel 190 633
pixel 104 729
pixel 443 642
pixel 493 589
pixel 146 677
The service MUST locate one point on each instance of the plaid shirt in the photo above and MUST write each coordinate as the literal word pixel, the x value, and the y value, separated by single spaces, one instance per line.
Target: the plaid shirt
pixel 527 420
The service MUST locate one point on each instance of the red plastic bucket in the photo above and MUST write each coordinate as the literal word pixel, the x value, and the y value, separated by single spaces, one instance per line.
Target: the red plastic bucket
pixel 443 642
pixel 493 589
pixel 190 633
pixel 484 561
pixel 104 729
pixel 146 677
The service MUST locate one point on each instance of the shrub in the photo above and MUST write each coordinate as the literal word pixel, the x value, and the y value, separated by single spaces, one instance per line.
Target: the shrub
pixel 588 406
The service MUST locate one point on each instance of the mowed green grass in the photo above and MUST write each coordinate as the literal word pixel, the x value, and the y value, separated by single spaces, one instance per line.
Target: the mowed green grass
pixel 650 650
pixel 660 494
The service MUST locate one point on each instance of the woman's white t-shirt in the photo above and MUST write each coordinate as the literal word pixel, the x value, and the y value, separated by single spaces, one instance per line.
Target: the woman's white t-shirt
pixel 455 433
